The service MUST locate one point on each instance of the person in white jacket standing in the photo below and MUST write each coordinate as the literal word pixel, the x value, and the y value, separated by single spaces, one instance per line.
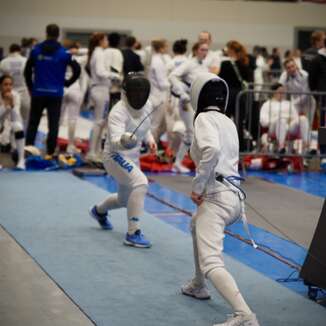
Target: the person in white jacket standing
pixel 216 192
pixel 160 86
pixel 73 98
pixel 181 79
pixel 128 126
pixel 100 81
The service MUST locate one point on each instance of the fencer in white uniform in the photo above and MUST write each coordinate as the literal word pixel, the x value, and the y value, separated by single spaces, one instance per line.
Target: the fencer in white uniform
pixel 128 125
pixel 181 79
pixel 100 82
pixel 215 150
pixel 14 66
pixel 73 99
pixel 10 109
pixel 160 86
pixel 175 127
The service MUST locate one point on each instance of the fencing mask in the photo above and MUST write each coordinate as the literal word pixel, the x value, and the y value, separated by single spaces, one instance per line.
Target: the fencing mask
pixel 209 92
pixel 137 88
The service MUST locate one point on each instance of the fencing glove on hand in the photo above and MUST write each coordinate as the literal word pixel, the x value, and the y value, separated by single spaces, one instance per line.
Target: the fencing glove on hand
pixel 128 140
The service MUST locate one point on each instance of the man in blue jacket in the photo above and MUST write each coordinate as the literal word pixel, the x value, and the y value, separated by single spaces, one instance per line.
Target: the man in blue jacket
pixel 45 78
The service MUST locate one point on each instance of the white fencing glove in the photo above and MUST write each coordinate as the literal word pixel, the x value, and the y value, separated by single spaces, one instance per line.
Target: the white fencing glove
pixel 184 98
pixel 128 140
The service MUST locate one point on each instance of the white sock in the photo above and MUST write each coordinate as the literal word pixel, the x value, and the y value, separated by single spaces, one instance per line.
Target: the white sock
pixel 199 279
pixel 96 132
pixel 71 132
pixel 226 286
pixel 20 143
pixel 181 153
pixel 135 208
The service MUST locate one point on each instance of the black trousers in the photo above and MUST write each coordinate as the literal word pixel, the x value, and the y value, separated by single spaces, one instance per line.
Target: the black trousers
pixel 53 107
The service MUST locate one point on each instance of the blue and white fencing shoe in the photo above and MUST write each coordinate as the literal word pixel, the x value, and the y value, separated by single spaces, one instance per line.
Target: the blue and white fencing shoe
pixel 102 219
pixel 137 240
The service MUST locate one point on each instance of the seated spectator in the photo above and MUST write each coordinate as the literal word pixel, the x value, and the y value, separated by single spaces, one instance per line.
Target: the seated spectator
pixel 14 65
pixel 281 119
pixel 9 110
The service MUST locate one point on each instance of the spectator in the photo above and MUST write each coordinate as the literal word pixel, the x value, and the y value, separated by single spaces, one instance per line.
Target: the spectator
pixel 131 60
pixel 160 86
pixel 73 97
pixel 9 109
pixel 282 119
pixel 114 61
pixel 27 44
pixel 14 66
pixel 317 82
pixel 317 40
pixel 100 82
pixel 45 78
pixel 276 59
pixel 237 73
pixel 181 79
pixel 296 80
pixel 296 55
pixel 213 58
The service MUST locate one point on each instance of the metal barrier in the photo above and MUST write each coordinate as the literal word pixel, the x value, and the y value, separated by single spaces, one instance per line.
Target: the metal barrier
pixel 303 109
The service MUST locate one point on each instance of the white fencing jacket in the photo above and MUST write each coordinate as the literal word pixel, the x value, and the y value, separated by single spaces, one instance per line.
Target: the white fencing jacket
pixel 182 77
pixel 215 146
pixel 122 118
pixel 100 74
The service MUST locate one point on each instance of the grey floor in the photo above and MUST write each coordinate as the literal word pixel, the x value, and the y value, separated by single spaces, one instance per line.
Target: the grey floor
pixel 29 297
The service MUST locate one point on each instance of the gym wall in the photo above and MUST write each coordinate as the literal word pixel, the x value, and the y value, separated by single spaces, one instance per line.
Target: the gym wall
pixel 264 23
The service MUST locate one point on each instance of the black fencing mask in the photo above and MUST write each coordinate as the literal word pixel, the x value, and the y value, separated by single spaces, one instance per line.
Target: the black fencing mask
pixel 137 89
pixel 213 94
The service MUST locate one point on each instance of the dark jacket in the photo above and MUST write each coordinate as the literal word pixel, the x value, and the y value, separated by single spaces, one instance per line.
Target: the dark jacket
pixel 228 73
pixel 131 62
pixel 46 67
pixel 317 76
pixel 307 57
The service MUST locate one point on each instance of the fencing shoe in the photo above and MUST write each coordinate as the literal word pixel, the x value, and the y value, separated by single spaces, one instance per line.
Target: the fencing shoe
pixel 102 219
pixel 21 165
pixel 195 291
pixel 179 168
pixel 240 320
pixel 137 240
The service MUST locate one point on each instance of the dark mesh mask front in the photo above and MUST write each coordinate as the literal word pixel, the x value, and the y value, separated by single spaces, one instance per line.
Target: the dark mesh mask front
pixel 214 93
pixel 137 91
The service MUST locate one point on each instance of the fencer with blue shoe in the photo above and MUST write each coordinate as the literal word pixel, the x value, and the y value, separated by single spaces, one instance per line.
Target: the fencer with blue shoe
pixel 102 219
pixel 137 240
